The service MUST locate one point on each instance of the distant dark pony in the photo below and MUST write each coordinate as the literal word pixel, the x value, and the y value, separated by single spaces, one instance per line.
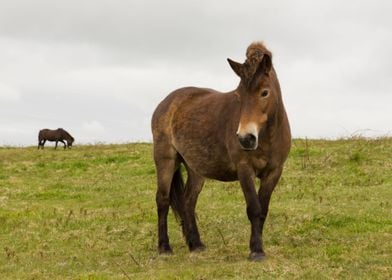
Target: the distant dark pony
pixel 58 135
pixel 240 135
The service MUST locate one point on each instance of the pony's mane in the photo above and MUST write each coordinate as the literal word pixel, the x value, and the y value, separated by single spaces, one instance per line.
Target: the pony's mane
pixel 66 133
pixel 254 54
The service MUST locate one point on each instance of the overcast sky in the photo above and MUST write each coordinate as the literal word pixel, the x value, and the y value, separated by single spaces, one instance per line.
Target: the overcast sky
pixel 99 68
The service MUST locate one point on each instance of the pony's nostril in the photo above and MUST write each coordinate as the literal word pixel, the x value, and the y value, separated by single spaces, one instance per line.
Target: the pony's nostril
pixel 248 141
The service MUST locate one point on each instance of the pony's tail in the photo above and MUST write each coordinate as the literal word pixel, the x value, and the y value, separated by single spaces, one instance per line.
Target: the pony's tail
pixel 177 191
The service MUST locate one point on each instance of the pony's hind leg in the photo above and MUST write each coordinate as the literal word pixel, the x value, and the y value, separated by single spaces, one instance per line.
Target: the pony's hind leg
pixel 193 187
pixel 166 166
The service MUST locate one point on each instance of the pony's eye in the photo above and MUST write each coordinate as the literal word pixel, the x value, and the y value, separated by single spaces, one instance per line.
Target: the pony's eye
pixel 264 93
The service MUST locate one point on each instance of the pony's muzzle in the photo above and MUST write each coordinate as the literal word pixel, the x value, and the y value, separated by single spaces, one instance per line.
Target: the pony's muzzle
pixel 248 141
pixel 248 136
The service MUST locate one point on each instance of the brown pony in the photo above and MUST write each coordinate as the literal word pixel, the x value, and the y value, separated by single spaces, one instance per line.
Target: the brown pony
pixel 58 135
pixel 240 135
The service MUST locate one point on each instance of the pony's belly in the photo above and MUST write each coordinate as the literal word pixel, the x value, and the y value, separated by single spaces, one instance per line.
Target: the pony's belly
pixel 212 168
pixel 225 177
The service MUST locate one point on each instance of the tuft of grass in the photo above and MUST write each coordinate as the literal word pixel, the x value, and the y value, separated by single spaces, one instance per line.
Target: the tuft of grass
pixel 89 213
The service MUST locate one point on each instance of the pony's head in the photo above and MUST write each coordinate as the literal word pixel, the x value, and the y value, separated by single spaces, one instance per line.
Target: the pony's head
pixel 257 95
pixel 70 142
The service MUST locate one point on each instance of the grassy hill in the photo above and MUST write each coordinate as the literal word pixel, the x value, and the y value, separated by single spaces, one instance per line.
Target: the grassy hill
pixel 89 213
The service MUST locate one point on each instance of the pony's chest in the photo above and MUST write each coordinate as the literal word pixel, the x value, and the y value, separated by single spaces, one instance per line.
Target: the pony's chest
pixel 258 163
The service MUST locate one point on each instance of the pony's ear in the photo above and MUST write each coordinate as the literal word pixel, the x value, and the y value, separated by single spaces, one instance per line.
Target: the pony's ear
pixel 237 67
pixel 264 66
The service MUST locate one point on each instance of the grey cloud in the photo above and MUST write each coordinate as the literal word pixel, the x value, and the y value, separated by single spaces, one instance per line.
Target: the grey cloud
pixel 111 62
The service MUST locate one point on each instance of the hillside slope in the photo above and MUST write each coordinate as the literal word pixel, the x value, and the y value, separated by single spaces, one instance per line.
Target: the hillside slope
pixel 89 213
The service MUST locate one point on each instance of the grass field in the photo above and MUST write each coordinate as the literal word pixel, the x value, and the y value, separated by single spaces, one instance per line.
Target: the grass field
pixel 89 213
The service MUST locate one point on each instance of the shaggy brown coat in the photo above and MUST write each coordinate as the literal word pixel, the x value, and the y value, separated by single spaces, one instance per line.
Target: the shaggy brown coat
pixel 240 135
pixel 57 135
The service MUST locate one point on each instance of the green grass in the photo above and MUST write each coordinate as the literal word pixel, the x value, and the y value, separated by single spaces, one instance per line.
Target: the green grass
pixel 89 213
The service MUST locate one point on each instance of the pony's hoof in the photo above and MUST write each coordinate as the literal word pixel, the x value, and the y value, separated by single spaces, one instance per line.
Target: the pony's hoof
pixel 165 250
pixel 199 248
pixel 257 256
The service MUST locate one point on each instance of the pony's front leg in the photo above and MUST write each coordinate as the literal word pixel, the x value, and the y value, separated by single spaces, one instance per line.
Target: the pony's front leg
pixel 253 210
pixel 268 181
pixel 55 147
pixel 65 145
